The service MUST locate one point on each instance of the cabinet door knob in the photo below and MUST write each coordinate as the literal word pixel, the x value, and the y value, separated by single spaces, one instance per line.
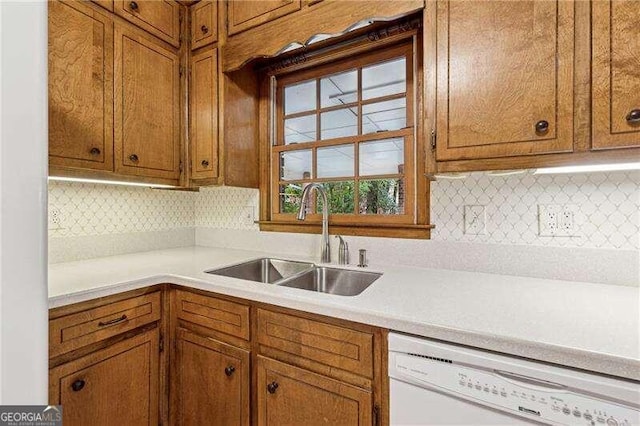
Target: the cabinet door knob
pixel 78 385
pixel 272 387
pixel 134 158
pixel 204 29
pixel 633 117
pixel 133 5
pixel 205 163
pixel 229 370
pixel 542 127
pixel 95 151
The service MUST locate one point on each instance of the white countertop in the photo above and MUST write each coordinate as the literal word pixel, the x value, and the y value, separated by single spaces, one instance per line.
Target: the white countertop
pixel 589 326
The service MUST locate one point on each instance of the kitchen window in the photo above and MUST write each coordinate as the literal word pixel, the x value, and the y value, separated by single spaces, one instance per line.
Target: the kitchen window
pixel 349 125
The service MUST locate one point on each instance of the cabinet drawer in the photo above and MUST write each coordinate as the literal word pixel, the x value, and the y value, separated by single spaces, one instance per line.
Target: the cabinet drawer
pixel 330 345
pixel 158 17
pixel 74 331
pixel 220 315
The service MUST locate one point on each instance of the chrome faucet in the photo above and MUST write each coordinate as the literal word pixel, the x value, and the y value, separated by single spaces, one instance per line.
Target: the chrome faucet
pixel 343 251
pixel 302 214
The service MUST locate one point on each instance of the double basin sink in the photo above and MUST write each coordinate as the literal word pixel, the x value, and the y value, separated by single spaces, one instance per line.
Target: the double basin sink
pixel 302 275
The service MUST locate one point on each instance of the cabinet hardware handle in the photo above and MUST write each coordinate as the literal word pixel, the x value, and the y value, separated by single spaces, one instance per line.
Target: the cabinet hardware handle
pixel 205 163
pixel 134 158
pixel 95 151
pixel 542 127
pixel 272 387
pixel 78 385
pixel 113 321
pixel 204 29
pixel 133 5
pixel 229 370
pixel 633 117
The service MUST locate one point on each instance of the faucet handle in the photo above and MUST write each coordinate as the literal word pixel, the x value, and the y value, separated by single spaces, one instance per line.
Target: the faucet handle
pixel 343 251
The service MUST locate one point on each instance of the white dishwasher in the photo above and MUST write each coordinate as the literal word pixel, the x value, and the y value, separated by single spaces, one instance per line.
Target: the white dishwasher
pixel 434 383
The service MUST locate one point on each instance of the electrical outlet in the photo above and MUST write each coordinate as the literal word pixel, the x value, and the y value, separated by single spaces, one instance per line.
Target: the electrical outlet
pixel 55 218
pixel 475 220
pixel 248 215
pixel 557 220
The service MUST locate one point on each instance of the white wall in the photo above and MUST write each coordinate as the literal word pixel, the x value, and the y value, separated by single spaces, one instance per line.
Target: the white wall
pixel 23 190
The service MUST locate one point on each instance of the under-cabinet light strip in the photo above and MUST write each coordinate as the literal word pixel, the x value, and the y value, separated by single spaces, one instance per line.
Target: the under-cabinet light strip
pixel 109 182
pixel 588 168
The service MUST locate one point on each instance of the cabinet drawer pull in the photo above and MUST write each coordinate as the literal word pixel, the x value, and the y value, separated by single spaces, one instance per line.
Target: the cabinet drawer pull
pixel 134 158
pixel 633 117
pixel 133 5
pixel 204 29
pixel 78 385
pixel 113 321
pixel 272 387
pixel 542 127
pixel 229 370
pixel 95 151
pixel 205 163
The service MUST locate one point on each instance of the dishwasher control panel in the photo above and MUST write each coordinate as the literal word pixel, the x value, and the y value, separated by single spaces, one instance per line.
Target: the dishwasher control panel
pixel 524 396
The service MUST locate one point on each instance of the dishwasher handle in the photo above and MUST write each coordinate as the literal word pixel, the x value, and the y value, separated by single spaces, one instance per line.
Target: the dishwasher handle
pixel 530 382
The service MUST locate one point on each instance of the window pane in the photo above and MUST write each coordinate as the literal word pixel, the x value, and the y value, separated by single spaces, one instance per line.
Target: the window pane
pixel 290 198
pixel 381 196
pixel 335 161
pixel 340 195
pixel 295 165
pixel 300 97
pixel 386 78
pixel 339 123
pixel 301 129
pixel 383 157
pixel 384 116
pixel 339 89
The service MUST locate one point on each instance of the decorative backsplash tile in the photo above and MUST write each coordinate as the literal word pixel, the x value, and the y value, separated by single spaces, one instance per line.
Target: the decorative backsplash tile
pixel 225 208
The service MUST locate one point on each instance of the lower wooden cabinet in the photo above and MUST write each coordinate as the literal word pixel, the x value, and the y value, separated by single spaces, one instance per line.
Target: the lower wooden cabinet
pixel 212 382
pixel 288 395
pixel 117 385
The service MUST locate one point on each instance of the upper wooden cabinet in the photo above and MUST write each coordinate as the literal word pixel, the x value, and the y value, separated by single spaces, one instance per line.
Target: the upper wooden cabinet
pixel 147 106
pixel 203 132
pixel 204 23
pixel 615 73
pixel 80 86
pixel 245 14
pixel 159 17
pixel 504 78
pixel 107 4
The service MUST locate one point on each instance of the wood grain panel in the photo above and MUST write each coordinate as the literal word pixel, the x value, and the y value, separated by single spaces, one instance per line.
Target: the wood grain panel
pixel 615 73
pixel 245 14
pixel 159 17
pixel 219 395
pixel 204 114
pixel 147 108
pixel 503 66
pixel 80 86
pixel 204 23
pixel 221 315
pixel 107 4
pixel 305 398
pixel 119 385
pixel 330 345
pixel 83 328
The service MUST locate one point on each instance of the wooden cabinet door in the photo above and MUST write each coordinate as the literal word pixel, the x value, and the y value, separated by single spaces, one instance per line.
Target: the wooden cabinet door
pixel 115 386
pixel 616 73
pixel 147 106
pixel 159 17
pixel 289 395
pixel 107 4
pixel 204 23
pixel 212 382
pixel 204 114
pixel 80 86
pixel 504 78
pixel 245 14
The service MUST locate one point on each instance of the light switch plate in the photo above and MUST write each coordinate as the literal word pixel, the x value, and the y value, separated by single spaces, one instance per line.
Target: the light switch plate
pixel 475 220
pixel 248 215
pixel 557 220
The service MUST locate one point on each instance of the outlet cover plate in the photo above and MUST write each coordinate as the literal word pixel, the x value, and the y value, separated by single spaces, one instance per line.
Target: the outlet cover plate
pixel 55 218
pixel 557 220
pixel 475 220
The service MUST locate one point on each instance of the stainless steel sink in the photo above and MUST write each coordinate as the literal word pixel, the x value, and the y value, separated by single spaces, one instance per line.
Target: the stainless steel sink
pixel 265 270
pixel 342 282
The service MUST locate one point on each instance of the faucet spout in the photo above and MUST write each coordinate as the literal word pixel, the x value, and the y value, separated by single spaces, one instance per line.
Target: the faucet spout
pixel 302 214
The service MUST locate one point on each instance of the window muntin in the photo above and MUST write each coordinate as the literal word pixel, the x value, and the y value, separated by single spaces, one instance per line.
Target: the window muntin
pixel 359 138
